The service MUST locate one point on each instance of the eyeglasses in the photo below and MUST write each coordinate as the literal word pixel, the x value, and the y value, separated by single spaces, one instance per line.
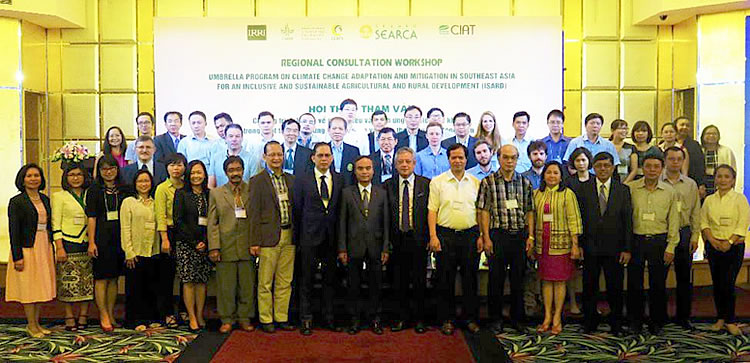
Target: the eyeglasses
pixel 106 169
pixel 75 175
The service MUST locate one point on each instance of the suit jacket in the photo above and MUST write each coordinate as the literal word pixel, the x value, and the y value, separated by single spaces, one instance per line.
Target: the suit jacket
pixel 697 166
pixel 371 142
pixel 611 233
pixel 164 146
pixel 377 165
pixel 128 173
pixel 185 214
pixel 403 140
pixel 471 160
pixel 227 233
pixel 312 223
pixel 302 159
pixel 359 234
pixel 22 223
pixel 348 157
pixel 265 214
pixel 418 213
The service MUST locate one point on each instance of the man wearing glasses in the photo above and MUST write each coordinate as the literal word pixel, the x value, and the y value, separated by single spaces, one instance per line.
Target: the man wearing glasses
pixel 556 142
pixel 145 123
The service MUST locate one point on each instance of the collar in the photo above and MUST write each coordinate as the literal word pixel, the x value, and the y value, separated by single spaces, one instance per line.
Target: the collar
pixel 193 137
pixel 236 188
pixel 368 188
pixel 410 179
pixel 275 175
pixel 641 184
pixel 586 139
pixel 293 147
pixel 466 139
pixel 665 179
pixel 606 184
pixel 173 137
pixel 452 176
pixel 530 171
pixel 337 147
pixel 416 132
pixel 523 139
pixel 268 139
pixel 318 174
pixel 149 164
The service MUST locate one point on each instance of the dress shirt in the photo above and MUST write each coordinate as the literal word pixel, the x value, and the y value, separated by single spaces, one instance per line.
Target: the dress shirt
pixel 174 139
pixel 534 178
pixel 286 149
pixel 480 174
pixel 149 165
pixel 453 200
pixel 430 165
pixel 413 140
pixel 688 203
pixel 410 207
pixel 494 194
pixel 726 215
pixel 385 176
pixel 329 183
pixel 196 149
pixel 606 184
pixel 555 150
pixel 250 159
pixel 655 212
pixel 281 189
pixel 524 163
pixel 338 154
pixel 362 189
pixel 138 228
pixel 130 152
pixel 601 144
pixel 311 141
pixel 164 200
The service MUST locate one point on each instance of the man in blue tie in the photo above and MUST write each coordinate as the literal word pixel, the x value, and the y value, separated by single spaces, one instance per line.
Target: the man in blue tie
pixel 383 159
pixel 296 158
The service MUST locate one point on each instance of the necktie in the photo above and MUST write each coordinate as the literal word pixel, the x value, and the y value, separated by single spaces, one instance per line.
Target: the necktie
pixel 237 196
pixel 366 201
pixel 176 143
pixel 405 225
pixel 288 161
pixel 323 188
pixel 387 170
pixel 144 167
pixel 602 200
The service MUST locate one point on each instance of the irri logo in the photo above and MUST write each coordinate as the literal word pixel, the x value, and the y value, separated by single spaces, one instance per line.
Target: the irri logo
pixel 256 32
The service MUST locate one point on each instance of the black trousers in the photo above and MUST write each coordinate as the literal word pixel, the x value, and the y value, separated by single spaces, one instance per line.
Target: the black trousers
pixel 409 262
pixel 374 286
pixel 141 290
pixel 459 250
pixel 510 253
pixel 165 266
pixel 724 269
pixel 683 266
pixel 613 277
pixel 309 258
pixel 648 250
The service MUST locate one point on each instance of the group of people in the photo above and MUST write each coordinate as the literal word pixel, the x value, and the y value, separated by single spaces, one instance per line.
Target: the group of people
pixel 183 206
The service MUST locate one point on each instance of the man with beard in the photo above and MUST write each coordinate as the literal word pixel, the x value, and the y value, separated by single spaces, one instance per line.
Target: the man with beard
pixel 486 161
pixel 537 152
pixel 697 167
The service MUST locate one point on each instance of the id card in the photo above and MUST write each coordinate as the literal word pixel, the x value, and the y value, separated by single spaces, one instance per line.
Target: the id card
pixel 41 226
pixel 547 217
pixel 240 212
pixel 283 197
pixel 151 226
pixel 622 169
pixel 725 221
pixel 457 205
pixel 679 205
pixel 79 221
pixel 649 217
pixel 511 204
pixel 113 216
pixel 202 221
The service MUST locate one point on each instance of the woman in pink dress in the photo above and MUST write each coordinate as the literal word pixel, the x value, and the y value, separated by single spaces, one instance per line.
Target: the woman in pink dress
pixel 31 281
pixel 557 226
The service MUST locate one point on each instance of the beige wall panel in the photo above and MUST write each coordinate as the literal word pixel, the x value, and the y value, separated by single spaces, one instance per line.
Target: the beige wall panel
pixel 280 8
pixel 332 8
pixel 638 105
pixel 600 65
pixel 638 64
pixel 600 19
pixel 118 68
pixel 383 7
pixel 572 113
pixel 179 8
pixel 436 7
pixel 80 68
pixel 573 19
pixel 230 8
pixel 54 60
pixel 117 20
pixel 664 107
pixel 604 103
pixel 119 110
pixel 721 56
pixel 572 58
pixel 145 20
pixel 146 104
pixel 10 52
pixel 723 105
pixel 54 111
pixel 685 54
pixel 487 7
pixel 33 56
pixel 664 58
pixel 145 68
pixel 80 116
pixel 90 33
pixel 537 8
pixel 628 30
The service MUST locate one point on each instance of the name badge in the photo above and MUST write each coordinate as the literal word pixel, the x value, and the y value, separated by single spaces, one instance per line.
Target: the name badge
pixel 79 221
pixel 149 225
pixel 283 197
pixel 649 217
pixel 41 226
pixel 113 216
pixel 710 171
pixel 622 169
pixel 547 218
pixel 679 205
pixel 240 212
pixel 725 221
pixel 202 221
pixel 511 204
pixel 457 205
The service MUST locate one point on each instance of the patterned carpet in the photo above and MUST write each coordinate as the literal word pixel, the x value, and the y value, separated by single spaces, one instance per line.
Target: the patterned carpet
pixel 673 345
pixel 92 345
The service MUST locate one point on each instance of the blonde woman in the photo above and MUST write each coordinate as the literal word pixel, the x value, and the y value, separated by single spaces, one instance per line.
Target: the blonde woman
pixel 489 131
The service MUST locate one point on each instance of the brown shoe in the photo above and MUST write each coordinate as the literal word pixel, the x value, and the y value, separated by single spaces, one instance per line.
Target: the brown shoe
pixel 247 327
pixel 225 328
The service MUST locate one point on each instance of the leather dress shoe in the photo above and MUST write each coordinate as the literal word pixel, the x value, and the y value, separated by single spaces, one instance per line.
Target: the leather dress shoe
pixel 306 328
pixel 286 326
pixel 247 327
pixel 447 328
pixel 268 328
pixel 353 328
pixel 225 328
pixel 377 328
pixel 420 328
pixel 473 327
pixel 397 326
pixel 685 324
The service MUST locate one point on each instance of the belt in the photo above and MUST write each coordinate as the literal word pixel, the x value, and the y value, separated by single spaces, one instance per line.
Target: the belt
pixel 685 227
pixel 286 226
pixel 517 233
pixel 651 236
pixel 467 230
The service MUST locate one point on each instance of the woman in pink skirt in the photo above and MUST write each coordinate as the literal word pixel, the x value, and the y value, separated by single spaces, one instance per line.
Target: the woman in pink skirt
pixel 557 226
pixel 31 281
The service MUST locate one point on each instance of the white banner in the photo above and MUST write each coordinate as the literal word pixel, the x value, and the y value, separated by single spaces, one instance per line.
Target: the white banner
pixel 290 66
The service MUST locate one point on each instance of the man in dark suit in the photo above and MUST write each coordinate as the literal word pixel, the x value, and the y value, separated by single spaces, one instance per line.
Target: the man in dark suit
pixel 343 153
pixel 607 215
pixel 363 237
pixel 462 126
pixel 408 194
pixel 383 159
pixel 167 142
pixel 316 198
pixel 297 158
pixel 379 120
pixel 144 149
pixel 271 238
pixel 412 136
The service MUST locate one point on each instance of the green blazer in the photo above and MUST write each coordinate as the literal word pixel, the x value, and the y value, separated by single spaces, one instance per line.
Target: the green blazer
pixel 227 233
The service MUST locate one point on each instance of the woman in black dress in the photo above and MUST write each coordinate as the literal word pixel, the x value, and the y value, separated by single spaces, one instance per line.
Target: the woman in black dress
pixel 102 208
pixel 190 215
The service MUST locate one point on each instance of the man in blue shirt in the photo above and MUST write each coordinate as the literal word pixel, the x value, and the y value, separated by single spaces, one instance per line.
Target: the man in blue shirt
pixel 521 125
pixel 486 160
pixel 556 142
pixel 197 146
pixel 432 160
pixel 591 139
pixel 233 136
pixel 537 152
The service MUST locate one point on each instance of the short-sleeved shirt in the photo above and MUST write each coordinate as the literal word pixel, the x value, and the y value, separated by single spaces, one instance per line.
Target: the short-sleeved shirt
pixel 534 178
pixel 477 171
pixel 655 211
pixel 251 161
pixel 506 201
pixel 726 215
pixel 688 203
pixel 196 149
pixel 524 163
pixel 453 200
pixel 430 165
pixel 555 150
